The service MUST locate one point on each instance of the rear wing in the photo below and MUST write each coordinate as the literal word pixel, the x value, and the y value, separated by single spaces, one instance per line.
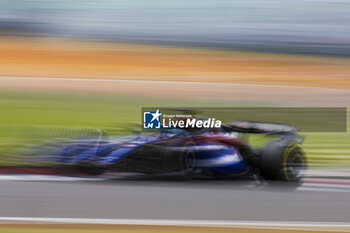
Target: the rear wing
pixel 261 127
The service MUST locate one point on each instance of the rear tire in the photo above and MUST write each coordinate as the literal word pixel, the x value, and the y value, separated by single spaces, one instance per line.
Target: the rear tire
pixel 283 160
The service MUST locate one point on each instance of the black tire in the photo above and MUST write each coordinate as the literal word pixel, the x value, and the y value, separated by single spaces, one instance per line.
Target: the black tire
pixel 188 161
pixel 283 160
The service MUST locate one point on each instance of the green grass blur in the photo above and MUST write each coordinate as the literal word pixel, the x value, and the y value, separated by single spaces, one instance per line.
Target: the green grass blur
pixel 25 117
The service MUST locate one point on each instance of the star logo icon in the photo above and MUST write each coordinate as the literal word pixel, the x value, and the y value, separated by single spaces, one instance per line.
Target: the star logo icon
pixel 156 115
pixel 151 119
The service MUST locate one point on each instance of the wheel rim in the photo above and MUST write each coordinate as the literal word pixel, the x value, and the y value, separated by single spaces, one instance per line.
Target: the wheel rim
pixel 296 164
pixel 189 161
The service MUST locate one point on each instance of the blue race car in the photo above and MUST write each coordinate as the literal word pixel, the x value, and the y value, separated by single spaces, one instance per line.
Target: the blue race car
pixel 214 153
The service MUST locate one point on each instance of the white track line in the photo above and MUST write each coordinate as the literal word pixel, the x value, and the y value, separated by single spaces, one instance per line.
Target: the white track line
pixel 46 178
pixel 336 226
pixel 170 82
pixel 320 189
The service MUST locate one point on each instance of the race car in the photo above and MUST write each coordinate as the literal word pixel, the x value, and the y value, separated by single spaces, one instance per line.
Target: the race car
pixel 189 153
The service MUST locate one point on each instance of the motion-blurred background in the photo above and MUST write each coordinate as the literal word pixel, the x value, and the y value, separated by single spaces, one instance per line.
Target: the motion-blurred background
pixel 84 68
pixel 70 66
pixel 317 27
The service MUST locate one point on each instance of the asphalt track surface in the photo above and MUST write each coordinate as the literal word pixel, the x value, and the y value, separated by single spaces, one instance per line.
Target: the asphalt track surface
pixel 76 197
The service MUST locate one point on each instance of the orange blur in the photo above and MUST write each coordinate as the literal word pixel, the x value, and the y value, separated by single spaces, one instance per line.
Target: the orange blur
pixel 43 57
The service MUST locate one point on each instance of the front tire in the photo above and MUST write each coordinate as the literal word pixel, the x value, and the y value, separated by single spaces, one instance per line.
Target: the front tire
pixel 188 161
